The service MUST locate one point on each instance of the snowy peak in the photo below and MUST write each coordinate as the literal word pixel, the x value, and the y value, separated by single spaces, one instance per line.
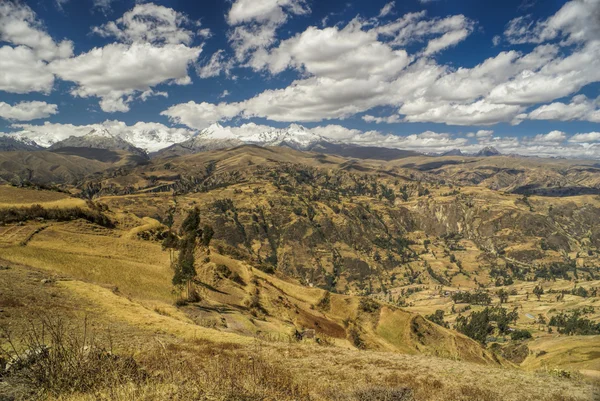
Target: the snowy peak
pixel 99 133
pixel 98 139
pixel 488 151
pixel 9 143
pixel 295 136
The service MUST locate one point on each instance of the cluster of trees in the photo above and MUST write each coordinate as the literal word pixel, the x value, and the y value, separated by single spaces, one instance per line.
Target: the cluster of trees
pixel 438 318
pixel 574 323
pixel 473 298
pixel 479 325
pixel 19 214
pixel 556 270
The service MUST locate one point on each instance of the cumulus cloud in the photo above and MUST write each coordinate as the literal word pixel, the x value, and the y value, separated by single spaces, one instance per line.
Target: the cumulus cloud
pixel 21 71
pixel 255 23
pixel 336 53
pixel 116 72
pixel 201 115
pixel 150 23
pixel 481 134
pixel 23 63
pixel 580 108
pixel 19 25
pixel 477 113
pixel 585 138
pixel 551 137
pixel 26 111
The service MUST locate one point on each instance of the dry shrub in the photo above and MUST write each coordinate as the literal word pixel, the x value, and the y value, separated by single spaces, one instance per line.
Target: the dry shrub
pixel 51 358
pixel 384 394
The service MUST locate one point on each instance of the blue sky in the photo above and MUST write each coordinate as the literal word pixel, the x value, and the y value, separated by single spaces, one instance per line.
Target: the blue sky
pixel 520 75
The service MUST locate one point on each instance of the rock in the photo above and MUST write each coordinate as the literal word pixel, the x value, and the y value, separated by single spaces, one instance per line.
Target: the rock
pixel 47 281
pixel 27 359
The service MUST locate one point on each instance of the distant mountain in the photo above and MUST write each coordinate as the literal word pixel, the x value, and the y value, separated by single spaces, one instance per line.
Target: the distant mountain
pixel 295 137
pixel 12 144
pixel 488 151
pixel 453 152
pixel 99 139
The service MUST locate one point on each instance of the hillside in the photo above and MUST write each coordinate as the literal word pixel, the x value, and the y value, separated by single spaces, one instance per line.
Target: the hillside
pixel 315 256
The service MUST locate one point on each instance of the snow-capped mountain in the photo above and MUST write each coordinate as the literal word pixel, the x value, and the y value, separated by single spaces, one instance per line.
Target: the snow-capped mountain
pixel 295 136
pixel 488 151
pixel 218 137
pixel 154 139
pixel 162 141
pixel 98 139
pixel 9 143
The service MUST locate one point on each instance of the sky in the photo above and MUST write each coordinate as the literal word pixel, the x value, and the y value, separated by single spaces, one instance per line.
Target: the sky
pixel 428 75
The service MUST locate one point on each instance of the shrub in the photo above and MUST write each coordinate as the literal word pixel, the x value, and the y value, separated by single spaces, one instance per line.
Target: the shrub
pixel 52 358
pixel 520 335
pixel 368 305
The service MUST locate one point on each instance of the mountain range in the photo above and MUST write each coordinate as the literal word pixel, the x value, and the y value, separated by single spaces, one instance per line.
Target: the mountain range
pixel 157 143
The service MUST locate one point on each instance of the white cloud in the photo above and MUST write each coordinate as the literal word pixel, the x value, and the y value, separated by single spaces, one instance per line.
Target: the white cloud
pixel 337 53
pixel 21 71
pixel 481 134
pixel 580 108
pixel 26 111
pixel 387 9
pixel 217 64
pixel 551 137
pixel 577 21
pixel 427 141
pixel 256 23
pixel 478 113
pixel 150 23
pixel 557 78
pixel 103 5
pixel 414 28
pixel 378 120
pixel 117 72
pixel 201 115
pixel 585 138
pixel 20 26
pixel 23 67
pixel 445 41
pixel 264 11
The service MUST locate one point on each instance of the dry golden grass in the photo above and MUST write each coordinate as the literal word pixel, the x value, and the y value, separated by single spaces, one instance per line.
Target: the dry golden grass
pixel 18 197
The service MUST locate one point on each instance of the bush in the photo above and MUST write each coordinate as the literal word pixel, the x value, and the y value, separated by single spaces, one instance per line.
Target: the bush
pixel 384 394
pixel 51 358
pixel 368 305
pixel 520 335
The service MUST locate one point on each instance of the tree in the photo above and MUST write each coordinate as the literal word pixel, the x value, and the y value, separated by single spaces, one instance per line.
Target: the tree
pixel 503 295
pixel 538 291
pixel 185 268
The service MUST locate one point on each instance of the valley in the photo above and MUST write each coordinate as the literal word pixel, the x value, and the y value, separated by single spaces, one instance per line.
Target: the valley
pixel 349 275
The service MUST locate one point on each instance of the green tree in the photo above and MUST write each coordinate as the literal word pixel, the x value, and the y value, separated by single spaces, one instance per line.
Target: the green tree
pixel 538 291
pixel 503 295
pixel 192 236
